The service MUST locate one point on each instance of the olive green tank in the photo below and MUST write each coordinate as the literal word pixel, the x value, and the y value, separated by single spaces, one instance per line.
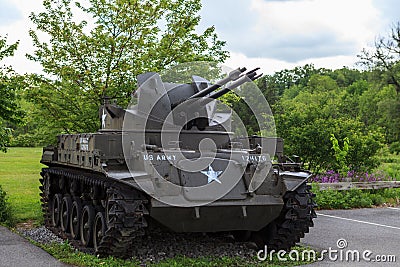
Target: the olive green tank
pixel 172 161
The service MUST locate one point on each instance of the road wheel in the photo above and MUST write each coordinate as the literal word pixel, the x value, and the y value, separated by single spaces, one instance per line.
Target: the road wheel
pixel 65 213
pixel 75 218
pixel 99 229
pixel 55 210
pixel 86 227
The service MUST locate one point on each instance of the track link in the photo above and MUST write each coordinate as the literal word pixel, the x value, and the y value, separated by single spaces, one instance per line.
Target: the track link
pixel 123 207
pixel 125 222
pixel 293 222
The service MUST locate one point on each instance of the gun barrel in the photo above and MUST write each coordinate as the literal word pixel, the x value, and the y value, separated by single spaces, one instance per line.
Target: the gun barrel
pixel 249 76
pixel 232 76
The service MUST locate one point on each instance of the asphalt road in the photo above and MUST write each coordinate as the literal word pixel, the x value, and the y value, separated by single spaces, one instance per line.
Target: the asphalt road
pixel 374 233
pixel 16 251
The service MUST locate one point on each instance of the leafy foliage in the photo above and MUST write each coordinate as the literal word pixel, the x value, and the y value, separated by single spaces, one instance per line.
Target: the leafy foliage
pixel 310 105
pixel 7 50
pixel 101 56
pixel 9 112
pixel 385 57
pixel 355 198
pixel 380 106
pixel 395 148
pixel 5 138
pixel 340 153
pixel 35 129
pixel 307 119
pixel 5 209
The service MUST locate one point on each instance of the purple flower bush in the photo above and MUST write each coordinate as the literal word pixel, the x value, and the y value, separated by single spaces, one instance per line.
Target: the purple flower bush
pixel 332 176
pixel 329 177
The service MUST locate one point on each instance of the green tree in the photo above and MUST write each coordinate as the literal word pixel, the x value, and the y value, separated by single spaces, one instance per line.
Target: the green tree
pixel 308 119
pixel 273 86
pixel 385 56
pixel 341 152
pixel 345 77
pixel 380 107
pixel 384 62
pixel 9 111
pixel 85 60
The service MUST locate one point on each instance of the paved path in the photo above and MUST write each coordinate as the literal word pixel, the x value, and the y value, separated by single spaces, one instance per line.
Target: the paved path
pixel 16 251
pixel 376 230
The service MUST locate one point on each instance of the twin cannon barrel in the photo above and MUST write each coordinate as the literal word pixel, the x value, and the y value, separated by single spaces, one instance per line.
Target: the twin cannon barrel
pixel 177 106
pixel 186 105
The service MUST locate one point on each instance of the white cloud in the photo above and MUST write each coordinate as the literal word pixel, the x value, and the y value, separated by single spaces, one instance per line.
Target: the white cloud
pixel 355 19
pixel 285 34
pixel 19 30
pixel 269 65
pixel 295 30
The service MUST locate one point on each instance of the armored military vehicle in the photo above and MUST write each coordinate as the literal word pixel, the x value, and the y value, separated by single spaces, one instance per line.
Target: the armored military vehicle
pixel 171 161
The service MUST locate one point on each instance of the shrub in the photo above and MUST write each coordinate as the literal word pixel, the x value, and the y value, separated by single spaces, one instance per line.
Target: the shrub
pixel 331 199
pixel 394 147
pixel 5 209
pixel 377 200
pixel 355 198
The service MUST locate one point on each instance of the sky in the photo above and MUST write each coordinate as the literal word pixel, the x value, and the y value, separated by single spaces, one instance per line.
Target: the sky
pixel 271 34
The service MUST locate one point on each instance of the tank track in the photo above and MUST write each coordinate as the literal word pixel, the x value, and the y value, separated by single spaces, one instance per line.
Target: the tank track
pixel 293 222
pixel 121 208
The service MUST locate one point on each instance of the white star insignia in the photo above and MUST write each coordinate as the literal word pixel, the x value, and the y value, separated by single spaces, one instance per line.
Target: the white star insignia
pixel 212 175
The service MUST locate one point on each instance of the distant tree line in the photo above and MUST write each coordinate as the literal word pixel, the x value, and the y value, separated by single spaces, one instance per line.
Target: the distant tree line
pixel 312 106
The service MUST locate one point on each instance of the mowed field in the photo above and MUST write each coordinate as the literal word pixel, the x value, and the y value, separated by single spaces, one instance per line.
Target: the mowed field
pixel 19 177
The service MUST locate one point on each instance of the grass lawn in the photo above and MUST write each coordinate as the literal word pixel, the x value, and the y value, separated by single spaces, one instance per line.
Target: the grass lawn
pixel 19 177
pixel 390 164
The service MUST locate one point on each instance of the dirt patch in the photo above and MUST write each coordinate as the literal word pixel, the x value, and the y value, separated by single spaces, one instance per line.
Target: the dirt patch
pixel 26 225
